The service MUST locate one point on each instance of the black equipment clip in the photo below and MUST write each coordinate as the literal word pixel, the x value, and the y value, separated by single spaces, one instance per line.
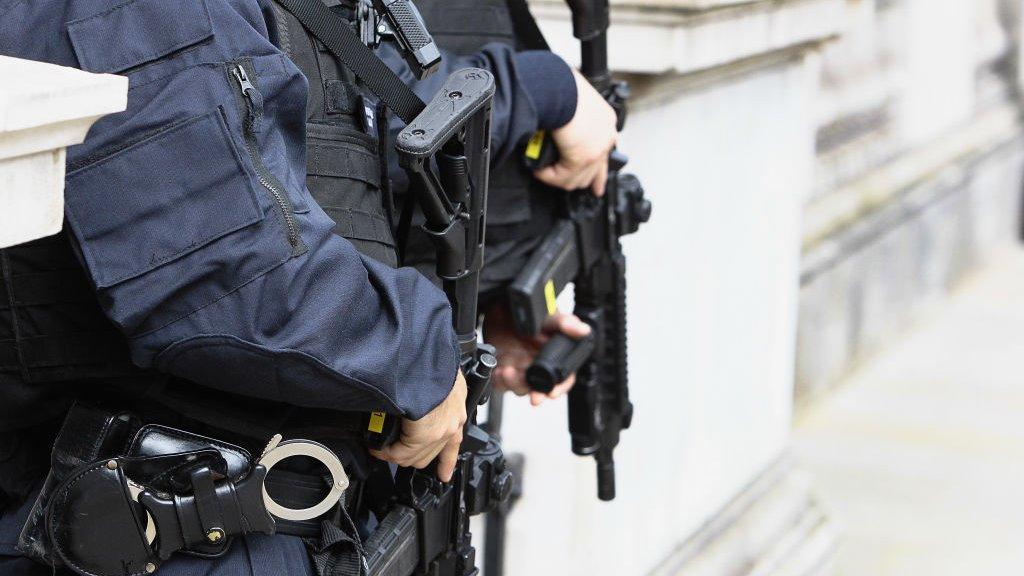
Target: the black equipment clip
pixel 401 21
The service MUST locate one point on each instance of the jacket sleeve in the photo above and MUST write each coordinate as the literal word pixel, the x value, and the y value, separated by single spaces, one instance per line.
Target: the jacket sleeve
pixel 191 214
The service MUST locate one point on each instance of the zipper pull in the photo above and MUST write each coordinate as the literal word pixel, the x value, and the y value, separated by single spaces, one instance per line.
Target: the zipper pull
pixel 243 80
pixel 252 96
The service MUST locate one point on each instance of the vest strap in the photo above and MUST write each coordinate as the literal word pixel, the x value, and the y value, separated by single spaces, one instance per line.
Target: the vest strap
pixel 528 34
pixel 338 37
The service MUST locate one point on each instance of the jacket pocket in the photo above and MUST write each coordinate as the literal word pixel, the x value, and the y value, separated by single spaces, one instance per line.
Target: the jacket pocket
pixel 170 223
pixel 141 207
pixel 138 32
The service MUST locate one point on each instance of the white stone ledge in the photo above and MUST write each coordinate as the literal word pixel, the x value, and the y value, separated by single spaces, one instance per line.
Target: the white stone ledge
pixel 670 36
pixel 847 205
pixel 44 109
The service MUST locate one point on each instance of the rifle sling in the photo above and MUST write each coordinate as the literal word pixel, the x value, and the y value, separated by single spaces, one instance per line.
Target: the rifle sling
pixel 528 34
pixel 336 33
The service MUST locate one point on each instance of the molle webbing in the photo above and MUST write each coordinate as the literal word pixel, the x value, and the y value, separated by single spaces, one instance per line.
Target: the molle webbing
pixel 51 327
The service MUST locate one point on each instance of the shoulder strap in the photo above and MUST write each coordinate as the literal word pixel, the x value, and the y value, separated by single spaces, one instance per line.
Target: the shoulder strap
pixel 527 32
pixel 337 35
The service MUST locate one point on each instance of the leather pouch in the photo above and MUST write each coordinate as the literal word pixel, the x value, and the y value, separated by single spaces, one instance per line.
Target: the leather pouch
pixel 154 440
pixel 95 526
pixel 88 434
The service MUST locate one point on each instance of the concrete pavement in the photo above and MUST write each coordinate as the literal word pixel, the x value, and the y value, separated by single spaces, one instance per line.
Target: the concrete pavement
pixel 919 455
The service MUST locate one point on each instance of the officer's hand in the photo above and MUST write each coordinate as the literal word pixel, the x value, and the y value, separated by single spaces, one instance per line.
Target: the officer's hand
pixel 516 353
pixel 583 144
pixel 438 434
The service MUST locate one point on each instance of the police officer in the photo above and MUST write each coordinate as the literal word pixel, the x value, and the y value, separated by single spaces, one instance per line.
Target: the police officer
pixel 202 245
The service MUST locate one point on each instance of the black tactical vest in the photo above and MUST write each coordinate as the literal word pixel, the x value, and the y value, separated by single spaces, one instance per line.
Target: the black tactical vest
pixel 346 160
pixel 51 327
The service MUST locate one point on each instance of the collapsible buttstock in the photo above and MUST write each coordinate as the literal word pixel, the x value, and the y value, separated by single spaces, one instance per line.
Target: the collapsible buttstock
pixel 464 94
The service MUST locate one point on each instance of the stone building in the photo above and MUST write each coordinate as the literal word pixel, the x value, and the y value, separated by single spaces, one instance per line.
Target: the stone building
pixel 822 172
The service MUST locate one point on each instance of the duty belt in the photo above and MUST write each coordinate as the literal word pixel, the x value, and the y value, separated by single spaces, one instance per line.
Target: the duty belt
pixel 111 512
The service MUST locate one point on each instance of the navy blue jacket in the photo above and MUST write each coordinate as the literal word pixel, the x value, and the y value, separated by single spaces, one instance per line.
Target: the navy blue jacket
pixel 191 214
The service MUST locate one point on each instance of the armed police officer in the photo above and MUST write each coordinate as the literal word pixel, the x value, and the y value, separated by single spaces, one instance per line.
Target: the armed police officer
pixel 199 282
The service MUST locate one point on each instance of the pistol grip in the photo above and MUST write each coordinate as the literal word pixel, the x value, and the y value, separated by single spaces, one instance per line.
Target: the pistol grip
pixel 540 152
pixel 381 430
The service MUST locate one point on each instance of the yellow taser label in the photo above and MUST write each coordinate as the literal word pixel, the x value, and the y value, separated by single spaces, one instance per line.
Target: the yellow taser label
pixel 376 422
pixel 533 147
pixel 551 297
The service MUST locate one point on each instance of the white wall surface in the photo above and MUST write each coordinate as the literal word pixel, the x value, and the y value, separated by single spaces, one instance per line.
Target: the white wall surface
pixel 712 295
pixel 43 109
pixel 937 75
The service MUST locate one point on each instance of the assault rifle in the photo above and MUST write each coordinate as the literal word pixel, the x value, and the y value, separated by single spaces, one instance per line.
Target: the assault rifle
pixel 583 248
pixel 427 528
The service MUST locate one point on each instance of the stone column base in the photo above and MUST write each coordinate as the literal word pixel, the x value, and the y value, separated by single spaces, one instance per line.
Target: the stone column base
pixel 774 527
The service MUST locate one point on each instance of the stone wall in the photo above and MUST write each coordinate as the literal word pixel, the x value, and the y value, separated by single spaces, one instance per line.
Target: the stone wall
pixel 918 176
pixel 722 133
pixel 822 172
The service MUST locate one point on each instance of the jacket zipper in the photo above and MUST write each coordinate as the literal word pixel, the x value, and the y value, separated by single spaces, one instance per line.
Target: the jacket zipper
pixel 252 102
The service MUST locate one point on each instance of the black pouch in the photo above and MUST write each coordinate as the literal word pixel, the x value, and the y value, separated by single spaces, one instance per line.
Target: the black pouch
pixel 97 526
pixel 88 434
pixel 87 517
pixel 155 440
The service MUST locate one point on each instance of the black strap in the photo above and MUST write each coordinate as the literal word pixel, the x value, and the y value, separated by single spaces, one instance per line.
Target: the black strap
pixel 528 34
pixel 405 225
pixel 338 551
pixel 207 503
pixel 336 34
